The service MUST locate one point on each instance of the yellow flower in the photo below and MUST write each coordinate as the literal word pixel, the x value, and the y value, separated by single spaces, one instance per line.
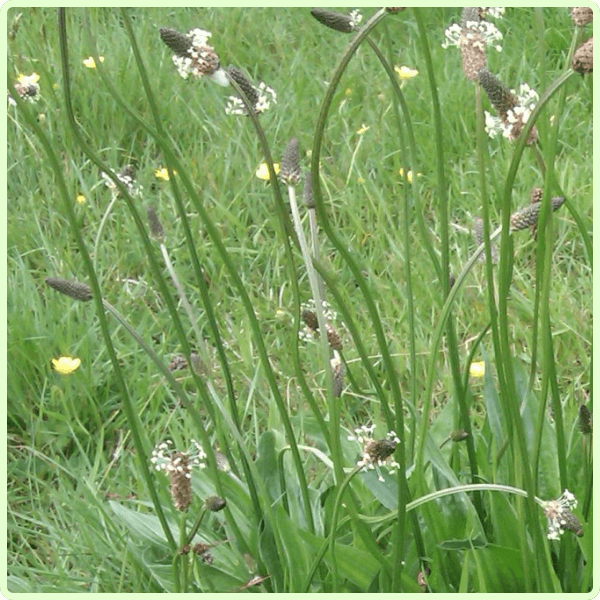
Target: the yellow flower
pixel 28 79
pixel 360 179
pixel 406 72
pixel 90 63
pixel 363 129
pixel 162 174
pixel 409 175
pixel 477 369
pixel 347 92
pixel 80 198
pixel 263 171
pixel 65 365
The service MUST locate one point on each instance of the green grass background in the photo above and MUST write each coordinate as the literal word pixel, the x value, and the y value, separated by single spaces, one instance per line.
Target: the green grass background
pixel 63 431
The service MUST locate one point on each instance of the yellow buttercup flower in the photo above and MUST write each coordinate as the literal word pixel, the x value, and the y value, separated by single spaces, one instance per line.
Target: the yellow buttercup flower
pixel 162 174
pixel 409 175
pixel 90 63
pixel 263 171
pixel 65 365
pixel 80 198
pixel 477 369
pixel 405 72
pixel 28 79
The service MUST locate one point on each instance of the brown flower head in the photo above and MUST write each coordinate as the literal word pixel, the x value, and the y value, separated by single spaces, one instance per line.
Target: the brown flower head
pixel 582 15
pixel 290 164
pixel 528 216
pixel 73 289
pixel 193 55
pixel 337 21
pixel 583 57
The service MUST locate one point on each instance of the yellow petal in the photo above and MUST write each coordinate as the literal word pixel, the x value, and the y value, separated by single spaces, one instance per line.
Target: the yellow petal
pixel 162 174
pixel 363 129
pixel 406 72
pixel 263 171
pixel 65 365
pixel 28 79
pixel 408 175
pixel 80 198
pixel 90 63
pixel 477 369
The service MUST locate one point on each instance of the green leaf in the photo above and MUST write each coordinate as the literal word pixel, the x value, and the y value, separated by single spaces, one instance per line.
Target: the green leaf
pixel 478 541
pixel 143 528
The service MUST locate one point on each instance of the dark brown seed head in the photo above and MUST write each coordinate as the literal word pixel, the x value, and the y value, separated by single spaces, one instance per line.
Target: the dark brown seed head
pixel 472 50
pixel 571 523
pixel 585 420
pixel 307 193
pixel 177 42
pixel 215 503
pixel 156 228
pixel 181 487
pixel 333 337
pixel 333 20
pixel 73 289
pixel 536 195
pixel 310 319
pixel 528 216
pixel 583 58
pixel 582 15
pixel 379 450
pixel 290 164
pixel 500 97
pixel 245 84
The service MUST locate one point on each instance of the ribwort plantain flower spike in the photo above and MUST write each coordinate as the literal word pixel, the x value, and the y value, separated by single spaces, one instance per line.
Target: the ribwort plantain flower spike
pixel 73 289
pixel 585 423
pixel 259 97
pixel 193 55
pixel 375 453
pixel 583 58
pixel 513 109
pixel 528 216
pixel 337 21
pixel 337 371
pixel 290 164
pixel 500 97
pixel 156 228
pixel 307 193
pixel 215 503
pixel 582 15
pixel 559 516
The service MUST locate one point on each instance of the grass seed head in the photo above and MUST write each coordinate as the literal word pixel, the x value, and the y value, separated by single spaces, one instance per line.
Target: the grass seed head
pixel 177 42
pixel 245 84
pixel 583 58
pixel 334 20
pixel 582 15
pixel 472 49
pixel 501 98
pixel 181 486
pixel 307 193
pixel 73 289
pixel 528 216
pixel 584 422
pixel 156 228
pixel 290 164
pixel 215 503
